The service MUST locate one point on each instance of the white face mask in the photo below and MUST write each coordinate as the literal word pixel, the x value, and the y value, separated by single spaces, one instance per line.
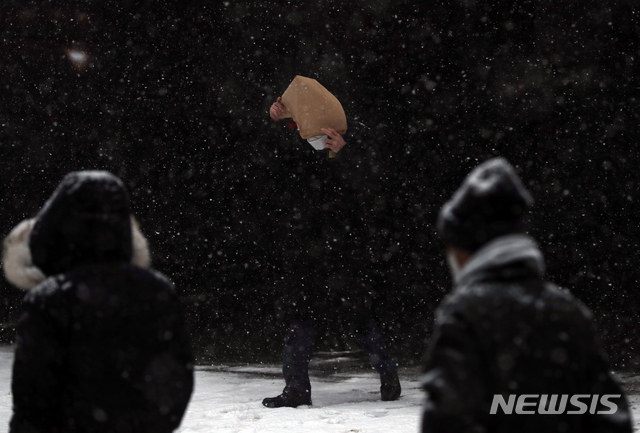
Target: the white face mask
pixel 317 142
pixel 454 267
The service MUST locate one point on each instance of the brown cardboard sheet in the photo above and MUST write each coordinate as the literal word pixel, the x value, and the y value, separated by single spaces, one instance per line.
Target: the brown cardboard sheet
pixel 313 107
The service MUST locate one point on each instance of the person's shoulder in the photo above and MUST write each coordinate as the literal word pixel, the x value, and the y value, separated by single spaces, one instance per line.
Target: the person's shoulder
pixel 465 299
pixel 50 288
pixel 481 298
pixel 521 292
pixel 564 299
pixel 127 276
pixel 162 280
pixel 150 277
pixel 466 294
pixel 63 290
pixel 485 298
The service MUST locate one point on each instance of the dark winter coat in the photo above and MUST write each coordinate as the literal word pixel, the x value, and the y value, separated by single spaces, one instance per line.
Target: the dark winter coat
pixel 102 345
pixel 505 331
pixel 327 247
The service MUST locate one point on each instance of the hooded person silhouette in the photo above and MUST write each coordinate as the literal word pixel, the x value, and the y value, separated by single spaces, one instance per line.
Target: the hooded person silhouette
pixel 102 344
pixel 504 333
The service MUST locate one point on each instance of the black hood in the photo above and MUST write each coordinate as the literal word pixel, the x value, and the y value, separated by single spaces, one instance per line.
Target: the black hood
pixel 86 221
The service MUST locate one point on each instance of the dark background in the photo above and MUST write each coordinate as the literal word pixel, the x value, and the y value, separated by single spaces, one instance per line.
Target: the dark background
pixel 174 100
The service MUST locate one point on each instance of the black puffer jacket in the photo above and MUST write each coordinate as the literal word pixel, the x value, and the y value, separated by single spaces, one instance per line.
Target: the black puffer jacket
pixel 102 346
pixel 504 331
pixel 328 246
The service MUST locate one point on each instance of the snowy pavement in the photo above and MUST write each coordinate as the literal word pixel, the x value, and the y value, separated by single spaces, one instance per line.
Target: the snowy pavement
pixel 6 359
pixel 228 399
pixel 231 402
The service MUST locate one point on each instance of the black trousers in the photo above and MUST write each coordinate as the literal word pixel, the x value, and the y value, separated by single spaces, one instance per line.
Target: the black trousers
pixel 298 350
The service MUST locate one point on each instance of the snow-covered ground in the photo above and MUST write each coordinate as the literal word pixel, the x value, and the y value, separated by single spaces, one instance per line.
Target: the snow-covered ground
pixel 228 399
pixel 6 358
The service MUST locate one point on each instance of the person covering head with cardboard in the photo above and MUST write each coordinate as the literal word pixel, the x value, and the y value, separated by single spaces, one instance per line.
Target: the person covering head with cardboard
pixel 318 113
pixel 329 279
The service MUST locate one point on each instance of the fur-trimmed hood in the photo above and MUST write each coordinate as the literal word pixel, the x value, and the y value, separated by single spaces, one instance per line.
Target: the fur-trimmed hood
pixel 87 220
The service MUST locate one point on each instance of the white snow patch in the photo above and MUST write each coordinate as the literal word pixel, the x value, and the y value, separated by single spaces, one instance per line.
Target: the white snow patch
pixel 6 361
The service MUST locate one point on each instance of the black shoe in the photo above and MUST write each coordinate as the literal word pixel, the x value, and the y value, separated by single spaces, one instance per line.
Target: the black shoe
pixel 288 399
pixel 390 387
